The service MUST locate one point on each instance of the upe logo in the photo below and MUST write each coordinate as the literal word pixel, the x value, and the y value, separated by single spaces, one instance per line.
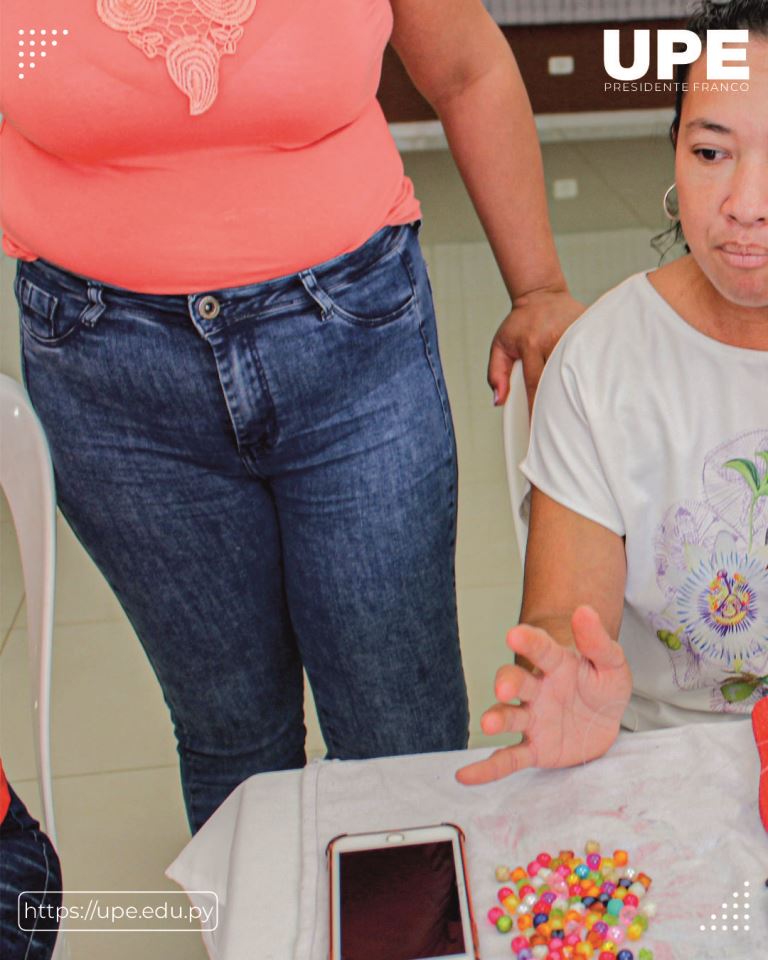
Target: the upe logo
pixel 678 47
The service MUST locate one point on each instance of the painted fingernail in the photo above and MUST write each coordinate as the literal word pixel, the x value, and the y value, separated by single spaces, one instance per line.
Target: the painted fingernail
pixel 495 397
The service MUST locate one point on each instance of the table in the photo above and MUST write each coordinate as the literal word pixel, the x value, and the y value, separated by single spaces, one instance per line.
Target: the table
pixel 682 801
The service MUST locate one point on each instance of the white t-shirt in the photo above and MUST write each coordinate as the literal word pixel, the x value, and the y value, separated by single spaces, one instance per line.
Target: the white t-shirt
pixel 660 433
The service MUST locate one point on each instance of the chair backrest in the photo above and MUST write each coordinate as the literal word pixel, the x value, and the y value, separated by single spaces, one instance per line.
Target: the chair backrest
pixel 517 429
pixel 26 477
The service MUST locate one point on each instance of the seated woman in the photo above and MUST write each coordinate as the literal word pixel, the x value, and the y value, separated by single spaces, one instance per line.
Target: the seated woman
pixel 646 574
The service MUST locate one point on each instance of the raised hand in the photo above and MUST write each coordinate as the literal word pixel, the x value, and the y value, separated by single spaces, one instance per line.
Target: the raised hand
pixel 571 706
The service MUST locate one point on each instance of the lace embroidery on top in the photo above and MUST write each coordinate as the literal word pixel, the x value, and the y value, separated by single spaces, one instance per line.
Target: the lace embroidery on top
pixel 192 36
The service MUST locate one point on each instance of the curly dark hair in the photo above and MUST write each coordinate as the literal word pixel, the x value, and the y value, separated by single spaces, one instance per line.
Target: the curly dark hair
pixel 749 15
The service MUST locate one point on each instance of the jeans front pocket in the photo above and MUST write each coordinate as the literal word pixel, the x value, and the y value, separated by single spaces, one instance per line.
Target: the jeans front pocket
pixel 49 311
pixel 374 296
pixel 45 317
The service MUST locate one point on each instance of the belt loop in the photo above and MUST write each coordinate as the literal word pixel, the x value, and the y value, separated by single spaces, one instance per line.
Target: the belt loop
pixel 96 306
pixel 313 288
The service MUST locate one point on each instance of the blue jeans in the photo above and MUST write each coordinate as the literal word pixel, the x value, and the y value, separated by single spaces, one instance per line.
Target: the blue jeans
pixel 28 862
pixel 266 476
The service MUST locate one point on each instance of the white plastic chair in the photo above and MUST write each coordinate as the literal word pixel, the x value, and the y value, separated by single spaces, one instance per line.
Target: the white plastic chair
pixel 26 477
pixel 517 428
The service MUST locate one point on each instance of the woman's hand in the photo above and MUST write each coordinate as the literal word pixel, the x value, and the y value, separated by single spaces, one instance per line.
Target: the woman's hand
pixel 529 333
pixel 571 706
pixel 462 64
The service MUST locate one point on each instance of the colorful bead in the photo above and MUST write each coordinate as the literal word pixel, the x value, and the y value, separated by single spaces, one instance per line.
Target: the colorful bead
pixel 573 908
pixel 627 914
pixel 645 954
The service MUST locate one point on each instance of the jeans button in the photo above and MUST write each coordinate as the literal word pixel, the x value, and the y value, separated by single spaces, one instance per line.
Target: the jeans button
pixel 208 308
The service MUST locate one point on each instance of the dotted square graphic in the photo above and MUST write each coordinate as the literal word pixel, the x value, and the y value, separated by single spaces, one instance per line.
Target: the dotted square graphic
pixel 34 45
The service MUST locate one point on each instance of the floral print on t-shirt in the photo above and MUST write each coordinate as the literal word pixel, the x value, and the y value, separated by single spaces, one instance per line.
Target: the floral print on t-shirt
pixel 711 558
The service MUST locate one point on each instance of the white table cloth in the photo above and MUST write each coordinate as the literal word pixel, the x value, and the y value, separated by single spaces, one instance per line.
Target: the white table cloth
pixel 683 802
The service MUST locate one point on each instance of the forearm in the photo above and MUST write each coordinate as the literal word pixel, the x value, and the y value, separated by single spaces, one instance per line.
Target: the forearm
pixel 558 627
pixel 492 135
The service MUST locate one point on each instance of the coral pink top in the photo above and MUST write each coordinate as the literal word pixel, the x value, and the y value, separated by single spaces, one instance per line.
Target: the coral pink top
pixel 176 146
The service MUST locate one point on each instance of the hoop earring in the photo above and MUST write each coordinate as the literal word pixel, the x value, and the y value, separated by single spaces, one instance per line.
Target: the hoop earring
pixel 665 203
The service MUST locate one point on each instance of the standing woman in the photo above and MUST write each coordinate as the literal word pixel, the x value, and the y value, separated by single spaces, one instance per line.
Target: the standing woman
pixel 228 334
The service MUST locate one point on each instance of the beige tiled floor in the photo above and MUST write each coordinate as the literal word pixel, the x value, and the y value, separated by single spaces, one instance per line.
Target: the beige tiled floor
pixel 119 808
